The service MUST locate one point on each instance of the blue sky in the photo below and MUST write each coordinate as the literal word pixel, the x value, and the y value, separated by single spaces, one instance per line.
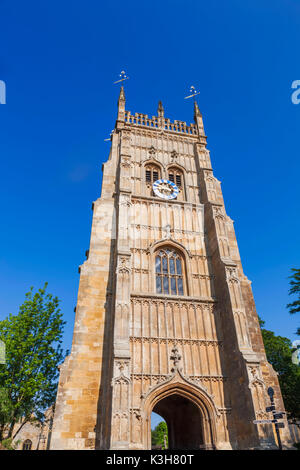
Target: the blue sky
pixel 59 61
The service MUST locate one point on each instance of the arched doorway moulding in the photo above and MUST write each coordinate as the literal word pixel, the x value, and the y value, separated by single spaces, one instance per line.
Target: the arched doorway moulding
pixel 178 385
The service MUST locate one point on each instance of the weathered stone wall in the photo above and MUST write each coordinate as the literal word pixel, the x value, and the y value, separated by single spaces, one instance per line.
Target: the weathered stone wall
pixel 122 360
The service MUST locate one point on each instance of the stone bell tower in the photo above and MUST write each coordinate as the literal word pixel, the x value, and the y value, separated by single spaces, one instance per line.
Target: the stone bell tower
pixel 165 317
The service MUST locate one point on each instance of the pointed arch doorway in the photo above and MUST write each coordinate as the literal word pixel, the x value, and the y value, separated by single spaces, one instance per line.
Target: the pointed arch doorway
pixel 184 422
pixel 189 413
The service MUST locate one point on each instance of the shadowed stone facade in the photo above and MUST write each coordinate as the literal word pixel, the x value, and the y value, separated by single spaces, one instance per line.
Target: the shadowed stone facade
pixel 183 342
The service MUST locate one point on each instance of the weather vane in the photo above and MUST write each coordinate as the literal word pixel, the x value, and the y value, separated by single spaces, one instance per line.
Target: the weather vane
pixel 123 77
pixel 193 92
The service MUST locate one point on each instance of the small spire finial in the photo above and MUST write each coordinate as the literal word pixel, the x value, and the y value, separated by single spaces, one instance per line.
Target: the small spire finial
pixel 160 110
pixel 122 94
pixel 121 101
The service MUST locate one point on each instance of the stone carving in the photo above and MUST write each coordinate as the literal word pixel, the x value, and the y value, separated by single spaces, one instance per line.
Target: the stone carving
pixel 121 380
pixel 125 200
pixel 218 212
pixel 152 151
pixel 175 358
pixel 139 250
pixel 204 257
pixel 189 302
pixel 155 227
pixel 174 156
pixel 205 342
pixel 124 265
pixel 126 135
pixel 151 155
pixel 226 410
pixel 167 230
pixel 126 162
pixel 254 374
pixel 202 276
pixel 141 271
pixel 257 387
pixel 121 371
pixel 121 365
pixel 231 274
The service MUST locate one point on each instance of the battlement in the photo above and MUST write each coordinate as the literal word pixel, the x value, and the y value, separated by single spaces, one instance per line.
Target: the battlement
pixel 144 120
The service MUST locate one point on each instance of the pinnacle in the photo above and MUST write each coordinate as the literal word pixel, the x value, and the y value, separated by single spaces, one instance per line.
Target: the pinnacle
pixel 160 110
pixel 122 94
pixel 196 109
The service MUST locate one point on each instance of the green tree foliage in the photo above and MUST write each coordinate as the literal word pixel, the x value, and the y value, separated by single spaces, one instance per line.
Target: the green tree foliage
pixel 279 354
pixel 28 380
pixel 8 444
pixel 294 307
pixel 158 433
pixel 6 410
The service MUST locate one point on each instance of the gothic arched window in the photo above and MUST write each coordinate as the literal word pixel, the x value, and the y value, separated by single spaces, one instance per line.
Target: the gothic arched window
pixel 169 272
pixel 176 176
pixel 152 173
pixel 27 444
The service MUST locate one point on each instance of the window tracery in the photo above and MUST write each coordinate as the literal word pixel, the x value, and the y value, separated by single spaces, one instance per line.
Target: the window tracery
pixel 175 175
pixel 169 272
pixel 152 173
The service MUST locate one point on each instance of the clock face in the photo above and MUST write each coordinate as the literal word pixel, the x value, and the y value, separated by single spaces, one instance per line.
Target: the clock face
pixel 165 189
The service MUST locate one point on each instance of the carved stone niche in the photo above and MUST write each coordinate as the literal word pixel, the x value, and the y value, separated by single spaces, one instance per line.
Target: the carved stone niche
pixel 125 135
pixel 218 213
pixel 121 368
pixel 257 387
pixel 120 384
pixel 124 265
pixel 231 275
pixel 208 175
